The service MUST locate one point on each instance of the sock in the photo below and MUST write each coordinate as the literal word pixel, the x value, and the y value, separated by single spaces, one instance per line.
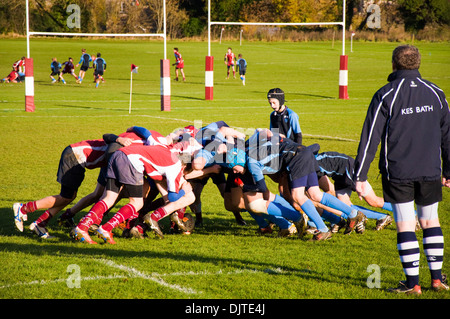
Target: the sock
pixel 44 218
pixel 126 212
pixel 159 214
pixel 330 217
pixel 63 81
pixel 281 207
pixel 29 207
pixel 260 220
pixel 279 221
pixel 433 246
pixel 96 85
pixel 369 213
pixel 333 202
pixel 310 210
pixel 94 216
pixel 408 249
pixel 388 206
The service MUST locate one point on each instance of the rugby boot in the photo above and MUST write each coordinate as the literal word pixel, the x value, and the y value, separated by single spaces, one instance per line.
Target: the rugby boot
pixel 153 224
pixel 403 289
pixel 383 222
pixel 352 222
pixel 81 236
pixel 105 235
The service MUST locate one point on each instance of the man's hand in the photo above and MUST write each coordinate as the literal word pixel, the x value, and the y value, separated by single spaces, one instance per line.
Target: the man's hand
pixel 125 141
pixel 361 188
pixel 446 182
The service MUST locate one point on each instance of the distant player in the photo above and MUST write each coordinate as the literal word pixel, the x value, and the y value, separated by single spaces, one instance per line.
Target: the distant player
pixel 242 67
pixel 68 68
pixel 19 67
pixel 179 64
pixel 12 77
pixel 230 61
pixel 56 70
pixel 99 68
pixel 84 62
pixel 283 118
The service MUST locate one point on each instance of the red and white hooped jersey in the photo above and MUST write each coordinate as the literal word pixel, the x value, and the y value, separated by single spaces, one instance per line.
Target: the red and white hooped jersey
pixel 155 139
pixel 90 153
pixel 156 162
pixel 231 57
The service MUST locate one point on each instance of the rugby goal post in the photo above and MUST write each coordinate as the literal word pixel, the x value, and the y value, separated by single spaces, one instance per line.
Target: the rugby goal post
pixel 165 90
pixel 343 62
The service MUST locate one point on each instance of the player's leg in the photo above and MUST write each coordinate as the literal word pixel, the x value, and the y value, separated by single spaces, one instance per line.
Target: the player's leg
pixel 128 211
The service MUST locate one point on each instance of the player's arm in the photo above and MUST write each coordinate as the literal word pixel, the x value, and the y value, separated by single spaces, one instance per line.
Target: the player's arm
pixel 370 137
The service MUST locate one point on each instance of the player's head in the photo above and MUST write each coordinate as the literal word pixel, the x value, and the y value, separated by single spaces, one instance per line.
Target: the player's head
pixel 276 99
pixel 236 160
pixel 83 50
pixel 70 59
pixel 175 49
pixel 406 57
pixel 229 49
pixel 99 55
pixel 240 55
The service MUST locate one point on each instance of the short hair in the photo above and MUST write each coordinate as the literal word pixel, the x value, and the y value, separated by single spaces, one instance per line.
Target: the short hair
pixel 406 57
pixel 99 55
pixel 176 49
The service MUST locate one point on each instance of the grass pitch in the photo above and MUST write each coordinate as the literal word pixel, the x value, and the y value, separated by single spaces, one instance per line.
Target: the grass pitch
pixel 220 260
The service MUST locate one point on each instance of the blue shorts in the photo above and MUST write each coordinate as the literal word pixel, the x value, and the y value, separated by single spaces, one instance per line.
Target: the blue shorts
pixel 307 181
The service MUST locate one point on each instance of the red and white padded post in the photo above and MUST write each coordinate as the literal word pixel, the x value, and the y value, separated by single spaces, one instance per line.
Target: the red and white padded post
pixel 165 85
pixel 209 77
pixel 29 85
pixel 343 77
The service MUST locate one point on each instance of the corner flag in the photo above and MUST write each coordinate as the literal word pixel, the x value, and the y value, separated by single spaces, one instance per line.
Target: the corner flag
pixel 134 69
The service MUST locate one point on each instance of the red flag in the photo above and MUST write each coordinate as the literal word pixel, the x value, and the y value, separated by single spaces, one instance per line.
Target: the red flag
pixel 134 68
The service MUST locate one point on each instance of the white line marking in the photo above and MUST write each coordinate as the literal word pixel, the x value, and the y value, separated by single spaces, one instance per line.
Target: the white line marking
pixel 154 277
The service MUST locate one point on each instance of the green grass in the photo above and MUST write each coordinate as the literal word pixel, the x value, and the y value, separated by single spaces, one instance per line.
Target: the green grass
pixel 220 260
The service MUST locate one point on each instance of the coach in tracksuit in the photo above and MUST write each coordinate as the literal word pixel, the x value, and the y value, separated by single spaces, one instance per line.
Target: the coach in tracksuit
pixel 410 116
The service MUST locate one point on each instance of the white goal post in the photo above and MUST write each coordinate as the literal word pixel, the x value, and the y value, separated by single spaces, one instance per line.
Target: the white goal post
pixel 343 69
pixel 164 65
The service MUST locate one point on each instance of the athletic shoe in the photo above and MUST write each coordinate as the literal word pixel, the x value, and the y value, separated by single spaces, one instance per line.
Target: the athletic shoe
pixel 105 235
pixel 301 225
pixel 19 218
pixel 67 222
pixel 174 218
pixel 403 289
pixel 40 231
pixel 288 232
pixel 336 227
pixel 239 220
pixel 361 226
pixel 440 285
pixel 384 222
pixel 81 235
pixel 153 224
pixel 265 230
pixel 352 222
pixel 322 236
pixel 136 233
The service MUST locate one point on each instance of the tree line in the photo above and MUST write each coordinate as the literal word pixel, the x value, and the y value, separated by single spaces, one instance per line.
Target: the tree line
pixel 187 18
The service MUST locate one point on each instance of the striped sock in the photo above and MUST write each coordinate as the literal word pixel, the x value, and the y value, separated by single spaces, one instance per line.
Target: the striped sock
pixel 44 218
pixel 94 216
pixel 29 207
pixel 408 249
pixel 126 212
pixel 433 246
